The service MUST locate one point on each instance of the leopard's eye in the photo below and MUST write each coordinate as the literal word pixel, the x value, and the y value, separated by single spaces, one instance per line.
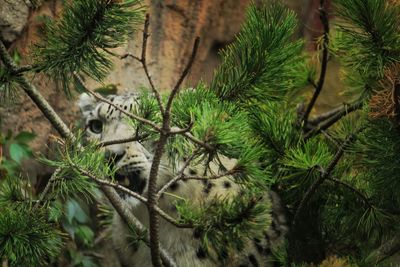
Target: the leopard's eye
pixel 96 126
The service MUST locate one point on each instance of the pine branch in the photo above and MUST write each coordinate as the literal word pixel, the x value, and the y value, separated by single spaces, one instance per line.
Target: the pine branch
pixel 386 250
pixel 64 131
pixel 212 177
pixel 335 118
pixel 143 61
pixel 124 211
pixel 324 116
pixel 324 63
pixel 165 132
pixel 47 188
pixel 353 189
pixel 125 190
pixel 325 174
pixel 122 141
pixel 36 97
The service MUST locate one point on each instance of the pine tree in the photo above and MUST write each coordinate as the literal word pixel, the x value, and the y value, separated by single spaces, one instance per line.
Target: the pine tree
pixel 337 173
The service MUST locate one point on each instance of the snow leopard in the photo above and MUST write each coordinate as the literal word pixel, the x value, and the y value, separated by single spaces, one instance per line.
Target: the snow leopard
pixel 104 122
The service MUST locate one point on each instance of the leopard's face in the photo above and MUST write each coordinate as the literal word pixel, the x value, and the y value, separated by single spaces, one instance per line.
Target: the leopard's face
pixel 104 123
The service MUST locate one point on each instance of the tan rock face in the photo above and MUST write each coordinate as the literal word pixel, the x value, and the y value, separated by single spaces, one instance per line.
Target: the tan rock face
pixel 174 24
pixel 13 18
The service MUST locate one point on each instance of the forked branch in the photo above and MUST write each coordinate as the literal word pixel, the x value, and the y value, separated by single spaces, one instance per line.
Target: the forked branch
pixel 143 61
pixel 324 62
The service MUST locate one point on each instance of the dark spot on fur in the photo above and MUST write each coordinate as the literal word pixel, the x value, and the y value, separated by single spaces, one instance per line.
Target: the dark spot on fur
pixel 227 184
pixel 200 253
pixel 112 99
pixel 253 260
pixel 192 172
pixel 125 107
pixel 130 107
pixel 196 233
pixel 259 248
pixel 174 186
pixel 208 187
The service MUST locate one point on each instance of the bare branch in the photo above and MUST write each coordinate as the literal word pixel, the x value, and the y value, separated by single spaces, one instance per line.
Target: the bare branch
pixel 324 63
pixel 185 72
pixel 122 141
pixel 176 130
pixel 386 250
pixel 126 214
pixel 212 177
pixel 47 188
pixel 130 55
pixel 324 116
pixel 324 175
pixel 36 97
pixel 335 118
pixel 353 189
pixel 143 60
pixel 198 142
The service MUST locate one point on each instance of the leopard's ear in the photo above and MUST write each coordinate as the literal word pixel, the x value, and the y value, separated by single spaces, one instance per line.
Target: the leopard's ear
pixel 86 103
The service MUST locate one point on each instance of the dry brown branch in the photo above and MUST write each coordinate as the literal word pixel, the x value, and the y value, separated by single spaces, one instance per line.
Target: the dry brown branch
pixel 143 61
pixel 324 62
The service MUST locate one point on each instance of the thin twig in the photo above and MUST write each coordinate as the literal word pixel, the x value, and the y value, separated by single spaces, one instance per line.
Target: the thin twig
pixel 125 190
pixel 47 188
pixel 36 97
pixel 198 142
pixel 386 250
pixel 124 211
pixel 324 175
pixel 179 176
pixel 332 120
pixel 353 189
pixel 122 141
pixel 324 63
pixel 143 60
pixel 176 130
pixel 212 177
pixel 324 116
pixel 165 132
pixel 185 72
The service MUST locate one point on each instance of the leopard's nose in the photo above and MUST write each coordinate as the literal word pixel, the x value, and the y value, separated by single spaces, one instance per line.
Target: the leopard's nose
pixel 113 158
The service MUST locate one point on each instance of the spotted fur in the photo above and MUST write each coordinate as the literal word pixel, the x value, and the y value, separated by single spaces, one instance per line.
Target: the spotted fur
pixel 133 160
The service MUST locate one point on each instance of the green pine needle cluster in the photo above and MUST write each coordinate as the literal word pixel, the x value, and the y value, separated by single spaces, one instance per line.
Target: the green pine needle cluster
pixel 83 39
pixel 225 225
pixel 379 148
pixel 72 161
pixel 275 128
pixel 263 63
pixel 8 86
pixel 368 38
pixel 27 238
